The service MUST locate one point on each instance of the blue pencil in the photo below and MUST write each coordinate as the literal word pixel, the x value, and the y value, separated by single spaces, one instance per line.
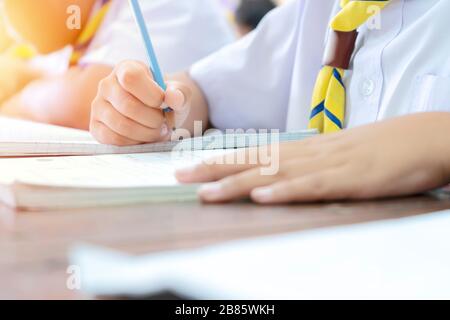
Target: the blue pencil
pixel 151 55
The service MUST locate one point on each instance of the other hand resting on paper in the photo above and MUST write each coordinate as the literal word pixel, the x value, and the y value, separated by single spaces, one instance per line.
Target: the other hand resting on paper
pixel 403 156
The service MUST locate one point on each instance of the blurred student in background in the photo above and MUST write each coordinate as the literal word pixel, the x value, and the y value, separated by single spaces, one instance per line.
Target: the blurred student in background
pixel 250 13
pixel 5 39
pixel 70 62
pixel 14 72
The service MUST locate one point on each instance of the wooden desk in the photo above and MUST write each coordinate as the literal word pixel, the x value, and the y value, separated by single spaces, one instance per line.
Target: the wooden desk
pixel 34 246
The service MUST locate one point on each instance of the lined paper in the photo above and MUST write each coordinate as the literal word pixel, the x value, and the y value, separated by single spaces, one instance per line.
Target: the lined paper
pixel 104 171
pixel 22 138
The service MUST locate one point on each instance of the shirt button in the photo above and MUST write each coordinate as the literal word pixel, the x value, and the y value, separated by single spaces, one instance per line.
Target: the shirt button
pixel 367 87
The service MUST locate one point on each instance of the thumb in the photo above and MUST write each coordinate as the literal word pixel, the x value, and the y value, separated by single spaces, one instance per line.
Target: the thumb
pixel 177 97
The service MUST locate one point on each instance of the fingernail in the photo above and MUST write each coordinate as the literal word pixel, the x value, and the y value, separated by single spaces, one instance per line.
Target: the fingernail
pixel 177 98
pixel 165 107
pixel 211 191
pixel 263 194
pixel 164 130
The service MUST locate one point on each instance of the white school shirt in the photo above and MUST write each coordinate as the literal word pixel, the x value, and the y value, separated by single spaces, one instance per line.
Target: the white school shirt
pixel 266 79
pixel 182 32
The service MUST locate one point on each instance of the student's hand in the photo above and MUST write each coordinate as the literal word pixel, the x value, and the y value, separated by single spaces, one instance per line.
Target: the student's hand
pixel 403 156
pixel 129 107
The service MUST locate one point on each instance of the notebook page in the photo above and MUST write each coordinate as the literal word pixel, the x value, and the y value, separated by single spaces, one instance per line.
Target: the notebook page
pixel 106 171
pixel 24 138
pixel 14 130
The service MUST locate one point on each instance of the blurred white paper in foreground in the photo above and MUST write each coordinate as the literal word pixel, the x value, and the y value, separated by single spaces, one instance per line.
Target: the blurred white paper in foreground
pixel 396 259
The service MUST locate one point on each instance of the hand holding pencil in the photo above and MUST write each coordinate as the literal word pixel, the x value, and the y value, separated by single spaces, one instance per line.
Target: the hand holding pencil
pixel 128 108
pixel 134 104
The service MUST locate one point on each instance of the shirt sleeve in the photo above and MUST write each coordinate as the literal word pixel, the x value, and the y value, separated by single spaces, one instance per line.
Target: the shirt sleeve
pixel 247 84
pixel 177 29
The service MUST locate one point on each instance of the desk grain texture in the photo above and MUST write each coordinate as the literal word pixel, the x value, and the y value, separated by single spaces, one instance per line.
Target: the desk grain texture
pixel 34 246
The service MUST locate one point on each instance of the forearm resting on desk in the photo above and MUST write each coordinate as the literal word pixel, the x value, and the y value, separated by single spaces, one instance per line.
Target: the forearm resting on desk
pixel 61 100
pixel 15 74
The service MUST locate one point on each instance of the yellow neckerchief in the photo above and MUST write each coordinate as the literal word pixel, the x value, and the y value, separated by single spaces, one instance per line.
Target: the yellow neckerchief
pixel 329 96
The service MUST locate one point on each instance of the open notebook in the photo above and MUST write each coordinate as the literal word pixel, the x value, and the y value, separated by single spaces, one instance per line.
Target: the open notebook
pixel 105 180
pixel 20 138
pixel 86 173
